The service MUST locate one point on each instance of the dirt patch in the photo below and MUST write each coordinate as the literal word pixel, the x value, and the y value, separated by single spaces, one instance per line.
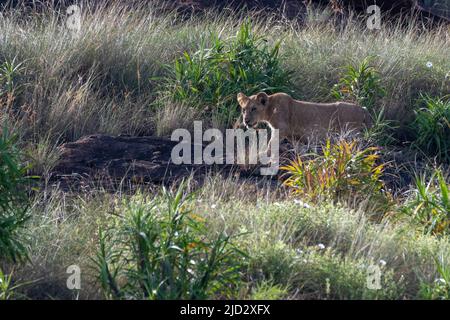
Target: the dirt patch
pixel 138 160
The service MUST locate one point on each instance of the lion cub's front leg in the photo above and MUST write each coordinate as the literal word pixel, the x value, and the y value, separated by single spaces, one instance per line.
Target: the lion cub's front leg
pixel 270 156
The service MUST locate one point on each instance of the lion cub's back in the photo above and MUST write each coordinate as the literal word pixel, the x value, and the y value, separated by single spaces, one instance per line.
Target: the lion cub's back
pixel 329 115
pixel 352 114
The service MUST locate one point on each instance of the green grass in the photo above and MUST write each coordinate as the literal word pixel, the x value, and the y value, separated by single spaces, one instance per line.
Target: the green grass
pixel 159 247
pixel 360 84
pixel 432 127
pixel 106 78
pixel 132 71
pixel 210 77
pixel 429 203
pixel 13 199
pixel 293 248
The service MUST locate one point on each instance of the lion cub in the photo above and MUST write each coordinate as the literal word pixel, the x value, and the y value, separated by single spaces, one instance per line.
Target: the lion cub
pixel 300 119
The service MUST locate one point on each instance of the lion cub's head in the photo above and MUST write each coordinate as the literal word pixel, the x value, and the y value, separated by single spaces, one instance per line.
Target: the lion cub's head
pixel 254 108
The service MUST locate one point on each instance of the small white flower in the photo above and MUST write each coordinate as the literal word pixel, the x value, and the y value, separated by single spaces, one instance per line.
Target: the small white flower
pixel 429 64
pixel 298 251
pixel 382 262
pixel 213 206
pixel 243 229
pixel 441 280
pixel 302 204
pixel 321 246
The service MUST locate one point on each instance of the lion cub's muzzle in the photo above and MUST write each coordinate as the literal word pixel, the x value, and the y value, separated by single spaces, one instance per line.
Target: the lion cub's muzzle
pixel 249 124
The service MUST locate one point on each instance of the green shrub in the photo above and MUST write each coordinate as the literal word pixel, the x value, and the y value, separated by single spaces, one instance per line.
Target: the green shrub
pixel 274 261
pixel 316 272
pixel 381 132
pixel 440 288
pixel 360 84
pixel 6 289
pixel 432 125
pixel 9 289
pixel 429 204
pixel 211 77
pixel 327 274
pixel 160 249
pixel 13 200
pixel 9 88
pixel 343 170
pixel 266 290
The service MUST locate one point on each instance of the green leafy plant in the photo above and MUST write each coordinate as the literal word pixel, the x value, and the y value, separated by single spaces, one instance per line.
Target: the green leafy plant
pixel 381 132
pixel 429 203
pixel 360 83
pixel 440 288
pixel 6 288
pixel 160 249
pixel 342 170
pixel 13 199
pixel 432 125
pixel 9 71
pixel 9 289
pixel 211 77
pixel 266 290
pixel 335 278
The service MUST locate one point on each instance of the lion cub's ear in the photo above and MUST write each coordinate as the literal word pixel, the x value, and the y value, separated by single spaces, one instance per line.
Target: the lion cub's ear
pixel 241 98
pixel 262 97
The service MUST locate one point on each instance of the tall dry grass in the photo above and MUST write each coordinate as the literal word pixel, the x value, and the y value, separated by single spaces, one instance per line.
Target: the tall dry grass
pixel 104 78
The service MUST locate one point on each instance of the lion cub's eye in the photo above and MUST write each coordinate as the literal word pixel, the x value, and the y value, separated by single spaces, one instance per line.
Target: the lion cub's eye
pixel 253 109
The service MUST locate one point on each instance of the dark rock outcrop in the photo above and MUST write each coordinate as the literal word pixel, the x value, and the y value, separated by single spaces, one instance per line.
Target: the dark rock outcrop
pixel 138 160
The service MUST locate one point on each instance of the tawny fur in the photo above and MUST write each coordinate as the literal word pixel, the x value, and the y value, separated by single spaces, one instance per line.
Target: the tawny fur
pixel 299 119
